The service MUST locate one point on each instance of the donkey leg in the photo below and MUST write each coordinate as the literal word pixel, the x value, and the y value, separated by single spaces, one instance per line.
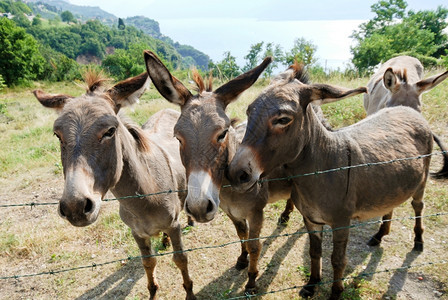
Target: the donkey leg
pixel 242 231
pixel 149 263
pixel 384 230
pixel 417 204
pixel 181 260
pixel 284 217
pixel 339 259
pixel 315 236
pixel 165 240
pixel 442 173
pixel 254 247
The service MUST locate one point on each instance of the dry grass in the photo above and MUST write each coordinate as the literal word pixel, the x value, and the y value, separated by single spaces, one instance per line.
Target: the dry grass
pixel 34 240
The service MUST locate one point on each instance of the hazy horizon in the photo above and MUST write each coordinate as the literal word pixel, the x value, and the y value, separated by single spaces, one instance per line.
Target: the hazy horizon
pixel 214 27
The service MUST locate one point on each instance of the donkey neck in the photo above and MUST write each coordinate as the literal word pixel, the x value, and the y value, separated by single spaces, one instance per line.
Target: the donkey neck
pixel 135 176
pixel 323 149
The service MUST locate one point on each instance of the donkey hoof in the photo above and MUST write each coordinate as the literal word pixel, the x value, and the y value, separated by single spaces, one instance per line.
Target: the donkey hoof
pixel 307 292
pixel 250 290
pixel 418 246
pixel 241 264
pixel 373 241
pixel 283 220
pixel 190 221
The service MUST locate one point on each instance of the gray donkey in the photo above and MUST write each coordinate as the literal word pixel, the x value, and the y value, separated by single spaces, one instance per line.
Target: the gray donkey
pixel 100 151
pixel 399 81
pixel 208 142
pixel 284 130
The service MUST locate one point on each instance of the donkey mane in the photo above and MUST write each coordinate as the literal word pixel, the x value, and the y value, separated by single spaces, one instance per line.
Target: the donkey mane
pixel 199 81
pixel 93 80
pixel 299 72
pixel 402 75
pixel 136 132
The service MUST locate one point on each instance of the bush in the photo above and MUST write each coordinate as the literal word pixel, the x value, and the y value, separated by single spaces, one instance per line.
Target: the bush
pixel 20 59
pixel 2 83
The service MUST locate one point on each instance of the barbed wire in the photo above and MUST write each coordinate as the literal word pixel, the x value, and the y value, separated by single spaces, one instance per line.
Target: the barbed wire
pixel 362 275
pixel 94 265
pixel 318 172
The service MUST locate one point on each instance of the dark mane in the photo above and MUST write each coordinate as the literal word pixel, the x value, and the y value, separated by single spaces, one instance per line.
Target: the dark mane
pixel 93 80
pixel 299 72
pixel 402 75
pixel 199 81
pixel 136 132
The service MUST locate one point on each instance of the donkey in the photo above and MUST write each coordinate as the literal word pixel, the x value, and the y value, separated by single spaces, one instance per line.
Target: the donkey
pixel 403 84
pixel 100 150
pixel 208 141
pixel 283 130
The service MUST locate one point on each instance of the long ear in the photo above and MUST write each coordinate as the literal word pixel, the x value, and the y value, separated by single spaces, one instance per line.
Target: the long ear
pixel 428 83
pixel 232 89
pixel 127 92
pixel 324 93
pixel 167 85
pixel 56 102
pixel 390 80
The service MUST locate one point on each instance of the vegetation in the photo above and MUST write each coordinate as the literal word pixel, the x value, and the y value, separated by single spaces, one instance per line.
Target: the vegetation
pixel 20 59
pixel 39 240
pixel 395 31
pixel 53 49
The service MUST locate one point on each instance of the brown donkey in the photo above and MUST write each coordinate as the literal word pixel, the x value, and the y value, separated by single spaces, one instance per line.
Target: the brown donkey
pixel 208 142
pixel 101 151
pixel 283 130
pixel 400 81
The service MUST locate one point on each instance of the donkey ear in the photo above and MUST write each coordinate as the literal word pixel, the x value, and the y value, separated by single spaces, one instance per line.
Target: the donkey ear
pixel 56 102
pixel 167 85
pixel 127 92
pixel 428 83
pixel 324 93
pixel 232 89
pixel 390 80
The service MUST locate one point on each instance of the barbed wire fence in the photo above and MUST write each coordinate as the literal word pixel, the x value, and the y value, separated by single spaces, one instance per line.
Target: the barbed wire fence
pixel 247 296
pixel 318 172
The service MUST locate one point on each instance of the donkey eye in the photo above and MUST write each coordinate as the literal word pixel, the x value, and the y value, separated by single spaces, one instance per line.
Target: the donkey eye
pixel 281 121
pixel 178 138
pixel 57 135
pixel 222 136
pixel 110 133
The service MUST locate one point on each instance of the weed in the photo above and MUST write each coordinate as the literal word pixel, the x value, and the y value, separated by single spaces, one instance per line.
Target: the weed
pixel 305 271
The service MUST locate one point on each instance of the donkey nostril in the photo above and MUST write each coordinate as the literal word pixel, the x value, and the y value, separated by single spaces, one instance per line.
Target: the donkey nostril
pixel 210 206
pixel 187 210
pixel 61 209
pixel 244 177
pixel 89 206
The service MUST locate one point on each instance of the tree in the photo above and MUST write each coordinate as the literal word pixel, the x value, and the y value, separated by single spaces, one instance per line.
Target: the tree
pixel 253 57
pixel 227 68
pixel 303 51
pixel 393 31
pixel 277 54
pixel 36 21
pixel 121 25
pixel 20 58
pixel 67 16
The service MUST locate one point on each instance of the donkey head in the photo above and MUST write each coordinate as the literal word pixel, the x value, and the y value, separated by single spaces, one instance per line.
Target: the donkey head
pixel 280 121
pixel 204 132
pixel 89 129
pixel 405 93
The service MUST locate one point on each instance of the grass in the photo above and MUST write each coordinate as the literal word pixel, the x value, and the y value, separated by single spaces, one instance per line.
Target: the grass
pixel 34 240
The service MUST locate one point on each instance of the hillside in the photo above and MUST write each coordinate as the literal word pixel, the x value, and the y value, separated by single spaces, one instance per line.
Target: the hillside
pixel 49 9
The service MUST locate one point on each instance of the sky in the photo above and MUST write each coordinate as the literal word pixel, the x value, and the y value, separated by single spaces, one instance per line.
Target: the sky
pixel 216 26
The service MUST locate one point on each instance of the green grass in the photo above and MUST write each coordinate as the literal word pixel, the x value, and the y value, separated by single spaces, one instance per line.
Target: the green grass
pixel 37 239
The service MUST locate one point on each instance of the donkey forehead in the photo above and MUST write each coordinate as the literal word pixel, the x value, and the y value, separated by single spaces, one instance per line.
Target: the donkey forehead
pixel 203 115
pixel 87 111
pixel 276 100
